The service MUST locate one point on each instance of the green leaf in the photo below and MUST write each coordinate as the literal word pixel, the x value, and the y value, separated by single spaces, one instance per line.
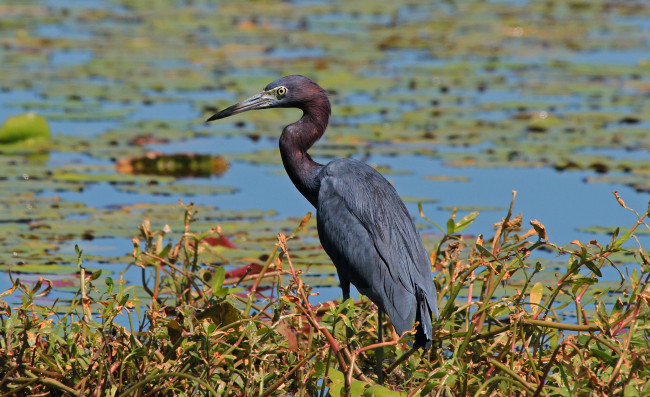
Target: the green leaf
pixel 619 241
pixel 601 312
pixel 618 307
pixel 634 278
pixel 381 391
pixel 28 126
pixel 465 221
pixel 220 291
pixel 484 251
pixel 609 359
pixel 138 308
pixel 108 281
pixel 124 299
pixel 165 251
pixel 594 268
pixel 222 313
pixel 218 278
pixel 319 369
pixel 451 223
pixel 337 382
pixel 500 311
pixel 95 275
pixel 345 305
pixel 10 322
pixel 451 380
pixel 357 387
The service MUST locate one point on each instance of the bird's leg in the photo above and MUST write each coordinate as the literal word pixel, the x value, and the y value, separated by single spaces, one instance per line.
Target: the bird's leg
pixel 345 289
pixel 379 352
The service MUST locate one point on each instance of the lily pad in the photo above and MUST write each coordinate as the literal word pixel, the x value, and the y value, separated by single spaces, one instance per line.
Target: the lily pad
pixel 186 165
pixel 24 127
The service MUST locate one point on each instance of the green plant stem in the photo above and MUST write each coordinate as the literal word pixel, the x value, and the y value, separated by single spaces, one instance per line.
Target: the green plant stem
pixel 487 334
pixel 564 326
pixel 400 360
pixel 327 367
pixel 53 383
pixel 492 380
pixel 623 354
pixel 529 388
pixel 26 383
pixel 547 369
pixel 526 349
pixel 10 372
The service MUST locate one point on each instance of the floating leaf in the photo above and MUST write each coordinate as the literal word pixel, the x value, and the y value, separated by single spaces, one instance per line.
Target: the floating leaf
pixel 24 127
pixel 447 178
pixel 177 164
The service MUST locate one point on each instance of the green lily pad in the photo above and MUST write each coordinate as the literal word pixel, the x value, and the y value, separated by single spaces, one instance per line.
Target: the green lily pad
pixel 27 128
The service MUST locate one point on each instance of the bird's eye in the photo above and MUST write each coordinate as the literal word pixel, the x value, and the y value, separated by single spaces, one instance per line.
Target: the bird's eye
pixel 281 92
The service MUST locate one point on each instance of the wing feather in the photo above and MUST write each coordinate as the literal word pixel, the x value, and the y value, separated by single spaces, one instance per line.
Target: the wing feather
pixel 369 234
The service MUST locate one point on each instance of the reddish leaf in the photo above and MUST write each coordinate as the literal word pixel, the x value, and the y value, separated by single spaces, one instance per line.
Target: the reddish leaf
pixel 252 268
pixel 222 241
pixel 284 328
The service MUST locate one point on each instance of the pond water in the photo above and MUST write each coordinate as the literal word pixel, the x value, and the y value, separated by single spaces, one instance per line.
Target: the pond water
pixel 457 111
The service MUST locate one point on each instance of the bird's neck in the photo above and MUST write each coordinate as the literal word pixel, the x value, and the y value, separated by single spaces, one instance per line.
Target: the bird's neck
pixel 295 140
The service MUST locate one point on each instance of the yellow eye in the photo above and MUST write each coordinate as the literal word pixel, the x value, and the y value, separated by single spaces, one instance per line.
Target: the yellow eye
pixel 281 91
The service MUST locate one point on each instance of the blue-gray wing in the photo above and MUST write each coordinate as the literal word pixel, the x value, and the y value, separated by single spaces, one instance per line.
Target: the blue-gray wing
pixel 368 233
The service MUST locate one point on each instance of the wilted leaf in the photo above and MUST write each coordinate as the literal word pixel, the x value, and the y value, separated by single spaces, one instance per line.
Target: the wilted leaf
pixel 222 313
pixel 536 294
pixel 540 229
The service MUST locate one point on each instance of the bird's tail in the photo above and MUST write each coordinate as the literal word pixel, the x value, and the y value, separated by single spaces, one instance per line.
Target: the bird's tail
pixel 426 309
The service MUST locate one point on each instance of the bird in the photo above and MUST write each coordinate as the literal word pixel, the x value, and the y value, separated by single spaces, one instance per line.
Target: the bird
pixel 363 224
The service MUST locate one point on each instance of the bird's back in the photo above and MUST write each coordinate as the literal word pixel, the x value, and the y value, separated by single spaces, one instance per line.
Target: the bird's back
pixel 369 235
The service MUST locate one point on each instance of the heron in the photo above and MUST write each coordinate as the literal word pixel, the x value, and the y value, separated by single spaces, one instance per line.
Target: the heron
pixel 363 224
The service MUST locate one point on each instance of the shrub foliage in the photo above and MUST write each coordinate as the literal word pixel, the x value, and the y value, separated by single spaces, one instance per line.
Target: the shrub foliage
pixel 504 327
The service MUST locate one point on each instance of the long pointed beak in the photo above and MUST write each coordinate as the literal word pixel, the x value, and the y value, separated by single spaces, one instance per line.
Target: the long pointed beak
pixel 259 101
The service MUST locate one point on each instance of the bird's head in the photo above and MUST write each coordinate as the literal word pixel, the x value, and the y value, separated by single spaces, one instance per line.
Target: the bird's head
pixel 286 92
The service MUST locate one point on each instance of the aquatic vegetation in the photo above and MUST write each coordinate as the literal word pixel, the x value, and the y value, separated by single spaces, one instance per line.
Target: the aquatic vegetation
pixel 550 86
pixel 190 326
pixel 24 128
pixel 476 85
pixel 179 165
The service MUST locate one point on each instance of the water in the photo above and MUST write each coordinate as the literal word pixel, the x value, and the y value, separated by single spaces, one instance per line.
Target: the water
pixel 562 201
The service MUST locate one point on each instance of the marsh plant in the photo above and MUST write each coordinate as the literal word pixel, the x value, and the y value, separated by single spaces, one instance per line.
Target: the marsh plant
pixel 508 324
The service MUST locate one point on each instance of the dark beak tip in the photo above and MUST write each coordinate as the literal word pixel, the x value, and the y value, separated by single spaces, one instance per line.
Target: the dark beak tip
pixel 212 118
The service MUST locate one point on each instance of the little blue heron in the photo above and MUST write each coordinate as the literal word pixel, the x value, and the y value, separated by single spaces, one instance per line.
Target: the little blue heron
pixel 363 224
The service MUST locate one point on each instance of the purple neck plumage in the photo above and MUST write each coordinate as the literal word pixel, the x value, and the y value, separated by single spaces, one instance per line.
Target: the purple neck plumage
pixel 297 138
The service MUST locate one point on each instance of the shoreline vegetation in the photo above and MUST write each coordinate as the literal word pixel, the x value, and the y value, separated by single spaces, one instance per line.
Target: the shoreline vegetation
pixel 193 328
